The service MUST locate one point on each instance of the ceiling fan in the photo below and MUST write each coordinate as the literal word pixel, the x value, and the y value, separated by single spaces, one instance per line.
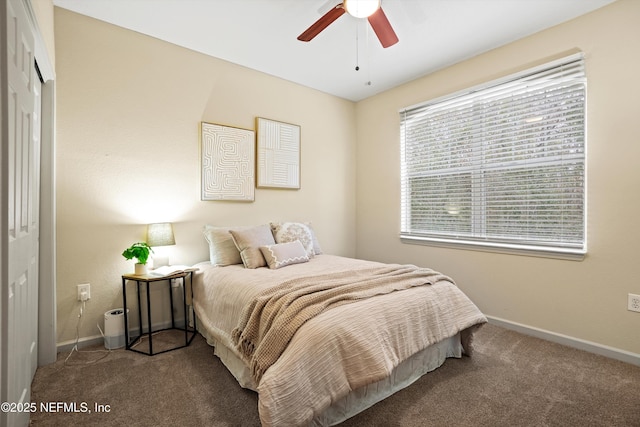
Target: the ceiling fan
pixel 369 9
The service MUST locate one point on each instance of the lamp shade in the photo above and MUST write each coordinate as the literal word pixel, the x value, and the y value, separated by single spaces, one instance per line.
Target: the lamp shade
pixel 160 234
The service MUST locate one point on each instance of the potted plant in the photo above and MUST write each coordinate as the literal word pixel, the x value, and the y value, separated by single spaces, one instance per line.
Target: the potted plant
pixel 139 251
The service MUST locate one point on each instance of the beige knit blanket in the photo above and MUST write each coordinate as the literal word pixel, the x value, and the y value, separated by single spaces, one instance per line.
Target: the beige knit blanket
pixel 269 322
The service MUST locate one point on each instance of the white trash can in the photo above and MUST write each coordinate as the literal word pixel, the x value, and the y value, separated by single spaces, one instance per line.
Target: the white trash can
pixel 114 329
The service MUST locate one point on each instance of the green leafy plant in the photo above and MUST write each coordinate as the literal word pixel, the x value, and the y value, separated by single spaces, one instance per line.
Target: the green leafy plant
pixel 139 251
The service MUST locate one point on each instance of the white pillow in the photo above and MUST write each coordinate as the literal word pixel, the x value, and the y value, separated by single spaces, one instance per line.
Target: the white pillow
pixel 317 250
pixel 283 254
pixel 222 249
pixel 285 232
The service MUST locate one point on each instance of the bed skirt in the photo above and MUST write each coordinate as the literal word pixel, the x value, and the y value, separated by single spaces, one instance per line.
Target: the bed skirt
pixel 360 399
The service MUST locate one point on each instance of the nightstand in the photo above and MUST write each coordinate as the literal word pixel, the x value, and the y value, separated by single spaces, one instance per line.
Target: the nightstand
pixel 176 342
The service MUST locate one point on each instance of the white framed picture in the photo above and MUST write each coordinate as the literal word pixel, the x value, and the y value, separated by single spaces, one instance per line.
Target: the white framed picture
pixel 278 154
pixel 228 163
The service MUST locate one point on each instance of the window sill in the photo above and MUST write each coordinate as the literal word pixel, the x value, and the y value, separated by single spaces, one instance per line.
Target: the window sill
pixel 504 248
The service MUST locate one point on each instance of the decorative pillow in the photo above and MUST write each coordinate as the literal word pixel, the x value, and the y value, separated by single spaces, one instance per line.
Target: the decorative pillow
pixel 283 254
pixel 248 242
pixel 285 232
pixel 222 249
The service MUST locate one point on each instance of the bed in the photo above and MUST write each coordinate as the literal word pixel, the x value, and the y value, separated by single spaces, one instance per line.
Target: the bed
pixel 321 337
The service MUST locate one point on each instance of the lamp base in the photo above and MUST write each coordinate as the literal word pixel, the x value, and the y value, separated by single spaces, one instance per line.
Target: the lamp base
pixel 160 261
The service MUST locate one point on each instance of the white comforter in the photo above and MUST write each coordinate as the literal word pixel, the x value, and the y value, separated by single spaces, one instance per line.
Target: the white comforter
pixel 340 350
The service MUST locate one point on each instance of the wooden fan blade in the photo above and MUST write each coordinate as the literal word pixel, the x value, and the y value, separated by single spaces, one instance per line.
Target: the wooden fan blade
pixel 322 23
pixel 383 29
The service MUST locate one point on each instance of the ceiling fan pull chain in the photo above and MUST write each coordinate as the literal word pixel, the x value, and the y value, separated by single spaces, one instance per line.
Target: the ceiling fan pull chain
pixel 357 50
pixel 368 53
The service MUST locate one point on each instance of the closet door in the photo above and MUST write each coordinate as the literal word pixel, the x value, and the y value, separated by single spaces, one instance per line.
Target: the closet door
pixel 20 297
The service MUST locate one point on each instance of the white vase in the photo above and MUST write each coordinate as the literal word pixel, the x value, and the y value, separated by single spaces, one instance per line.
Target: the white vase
pixel 141 269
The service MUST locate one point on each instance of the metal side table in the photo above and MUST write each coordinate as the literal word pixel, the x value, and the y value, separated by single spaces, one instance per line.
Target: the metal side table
pixel 147 280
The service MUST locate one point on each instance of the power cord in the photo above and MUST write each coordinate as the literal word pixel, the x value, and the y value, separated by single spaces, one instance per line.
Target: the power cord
pixel 75 346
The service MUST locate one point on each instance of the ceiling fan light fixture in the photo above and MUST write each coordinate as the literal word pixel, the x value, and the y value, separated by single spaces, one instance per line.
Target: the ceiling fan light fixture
pixel 361 8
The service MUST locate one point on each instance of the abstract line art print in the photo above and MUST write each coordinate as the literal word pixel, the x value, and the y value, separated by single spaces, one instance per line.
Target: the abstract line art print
pixel 228 163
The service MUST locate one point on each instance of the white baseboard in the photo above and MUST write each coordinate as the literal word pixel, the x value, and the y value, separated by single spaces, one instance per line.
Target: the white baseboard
pixel 66 346
pixel 591 347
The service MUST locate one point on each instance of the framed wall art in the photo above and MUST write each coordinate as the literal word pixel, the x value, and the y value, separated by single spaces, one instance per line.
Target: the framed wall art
pixel 228 163
pixel 278 154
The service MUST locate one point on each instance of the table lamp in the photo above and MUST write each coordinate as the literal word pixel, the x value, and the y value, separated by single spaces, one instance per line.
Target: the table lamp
pixel 160 234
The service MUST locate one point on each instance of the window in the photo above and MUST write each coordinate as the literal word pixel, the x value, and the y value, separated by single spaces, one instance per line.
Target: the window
pixel 501 166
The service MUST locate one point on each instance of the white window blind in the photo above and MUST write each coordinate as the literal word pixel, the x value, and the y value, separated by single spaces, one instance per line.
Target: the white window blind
pixel 500 166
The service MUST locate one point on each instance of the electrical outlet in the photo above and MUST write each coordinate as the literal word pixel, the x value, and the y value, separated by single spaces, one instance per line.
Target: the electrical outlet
pixel 84 288
pixel 634 303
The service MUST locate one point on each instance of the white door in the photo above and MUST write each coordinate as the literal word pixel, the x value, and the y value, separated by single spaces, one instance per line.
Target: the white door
pixel 23 165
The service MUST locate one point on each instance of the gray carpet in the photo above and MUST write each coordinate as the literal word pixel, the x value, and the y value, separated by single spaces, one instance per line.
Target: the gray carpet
pixel 511 380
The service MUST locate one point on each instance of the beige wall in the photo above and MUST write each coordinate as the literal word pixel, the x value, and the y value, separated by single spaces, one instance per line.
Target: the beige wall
pixel 128 115
pixel 585 300
pixel 128 109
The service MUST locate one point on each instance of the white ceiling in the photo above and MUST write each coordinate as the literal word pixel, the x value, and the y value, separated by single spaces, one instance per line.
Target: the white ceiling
pixel 261 34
